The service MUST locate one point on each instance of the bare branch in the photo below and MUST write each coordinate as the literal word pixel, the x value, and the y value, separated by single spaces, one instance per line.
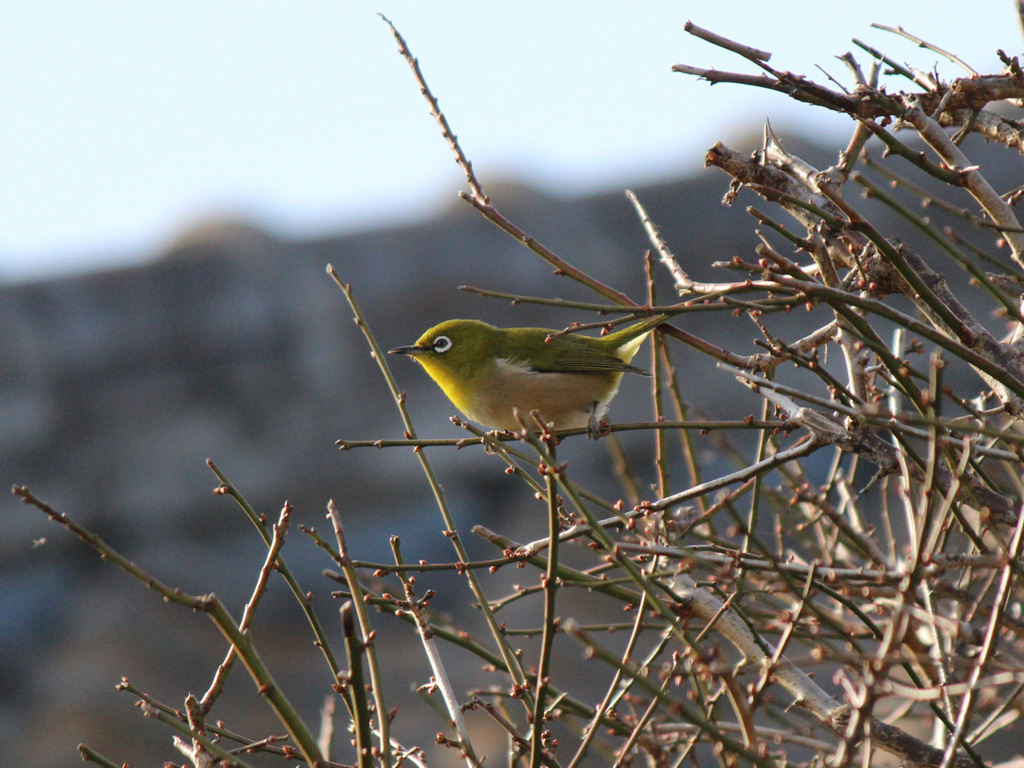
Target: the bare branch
pixel 743 50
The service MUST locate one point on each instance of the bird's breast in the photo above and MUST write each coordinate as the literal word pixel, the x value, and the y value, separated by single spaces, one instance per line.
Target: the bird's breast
pixel 567 399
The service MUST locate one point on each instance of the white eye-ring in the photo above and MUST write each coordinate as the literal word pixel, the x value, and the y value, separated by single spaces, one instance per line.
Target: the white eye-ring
pixel 442 344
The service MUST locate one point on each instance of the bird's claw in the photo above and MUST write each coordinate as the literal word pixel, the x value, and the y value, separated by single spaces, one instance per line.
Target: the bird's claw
pixel 596 429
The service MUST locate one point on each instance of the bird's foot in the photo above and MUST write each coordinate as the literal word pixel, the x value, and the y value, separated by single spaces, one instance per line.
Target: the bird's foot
pixel 596 429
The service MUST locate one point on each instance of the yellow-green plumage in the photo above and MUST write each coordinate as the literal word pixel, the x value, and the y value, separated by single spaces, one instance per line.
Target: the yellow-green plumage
pixel 488 372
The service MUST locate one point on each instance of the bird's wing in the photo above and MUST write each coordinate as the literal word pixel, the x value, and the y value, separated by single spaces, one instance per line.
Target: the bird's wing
pixel 585 359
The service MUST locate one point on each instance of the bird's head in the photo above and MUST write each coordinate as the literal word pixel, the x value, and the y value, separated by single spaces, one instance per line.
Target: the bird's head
pixel 455 352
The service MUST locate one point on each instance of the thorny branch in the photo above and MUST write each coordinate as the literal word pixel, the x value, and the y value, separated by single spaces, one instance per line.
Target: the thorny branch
pixel 854 270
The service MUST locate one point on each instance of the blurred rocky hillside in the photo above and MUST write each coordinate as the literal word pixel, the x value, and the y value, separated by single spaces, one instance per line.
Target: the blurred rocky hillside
pixel 235 345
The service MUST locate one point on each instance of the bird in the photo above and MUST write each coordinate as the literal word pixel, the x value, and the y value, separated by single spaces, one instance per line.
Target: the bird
pixel 491 373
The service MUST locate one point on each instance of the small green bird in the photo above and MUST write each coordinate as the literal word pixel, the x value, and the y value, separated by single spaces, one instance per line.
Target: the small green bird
pixel 487 372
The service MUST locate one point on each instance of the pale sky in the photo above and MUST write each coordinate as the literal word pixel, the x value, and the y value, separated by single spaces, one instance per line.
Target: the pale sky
pixel 125 122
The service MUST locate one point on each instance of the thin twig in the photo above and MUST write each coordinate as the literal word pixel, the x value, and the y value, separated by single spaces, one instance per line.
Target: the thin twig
pixel 269 565
pixel 467 167
pixel 417 608
pixel 931 47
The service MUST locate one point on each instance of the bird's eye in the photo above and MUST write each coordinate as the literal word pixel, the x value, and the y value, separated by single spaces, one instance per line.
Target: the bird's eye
pixel 442 344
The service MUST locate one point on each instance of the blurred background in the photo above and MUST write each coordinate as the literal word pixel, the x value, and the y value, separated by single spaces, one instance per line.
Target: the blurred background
pixel 126 122
pixel 176 178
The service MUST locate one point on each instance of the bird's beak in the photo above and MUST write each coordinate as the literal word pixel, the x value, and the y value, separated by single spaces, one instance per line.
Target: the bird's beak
pixel 413 350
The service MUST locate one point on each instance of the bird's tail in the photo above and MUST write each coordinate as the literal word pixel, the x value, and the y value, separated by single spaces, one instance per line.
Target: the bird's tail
pixel 633 336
